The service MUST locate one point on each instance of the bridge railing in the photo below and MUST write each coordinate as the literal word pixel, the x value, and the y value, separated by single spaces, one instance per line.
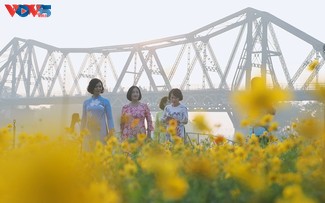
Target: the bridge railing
pixel 200 138
pixel 190 138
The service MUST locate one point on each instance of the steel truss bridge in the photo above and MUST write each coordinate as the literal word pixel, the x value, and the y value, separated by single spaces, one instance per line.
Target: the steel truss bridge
pixel 207 64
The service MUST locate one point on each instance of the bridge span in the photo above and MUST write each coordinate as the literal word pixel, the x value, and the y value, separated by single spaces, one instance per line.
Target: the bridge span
pixel 221 57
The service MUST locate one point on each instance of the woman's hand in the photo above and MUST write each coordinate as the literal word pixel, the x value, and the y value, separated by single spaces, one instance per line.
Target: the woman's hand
pixel 169 118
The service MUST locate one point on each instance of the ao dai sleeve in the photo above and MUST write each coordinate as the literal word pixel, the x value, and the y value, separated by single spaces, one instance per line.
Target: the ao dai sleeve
pixel 184 113
pixel 109 115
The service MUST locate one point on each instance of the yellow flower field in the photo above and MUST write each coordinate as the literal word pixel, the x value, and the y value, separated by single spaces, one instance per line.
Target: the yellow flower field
pixel 43 169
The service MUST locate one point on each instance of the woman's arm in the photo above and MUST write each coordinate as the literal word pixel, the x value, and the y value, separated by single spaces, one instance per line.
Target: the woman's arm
pixel 165 116
pixel 184 113
pixel 109 117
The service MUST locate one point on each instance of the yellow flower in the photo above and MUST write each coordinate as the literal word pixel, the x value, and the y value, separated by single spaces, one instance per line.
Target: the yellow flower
pixel 171 131
pixel 159 163
pixel 112 141
pixel 133 147
pixel 84 132
pixel 285 145
pixel 258 101
pixel 100 192
pixel 125 146
pixel 275 164
pixel 313 65
pixel 245 123
pixel 200 123
pixel 240 152
pixel 172 123
pixel 293 194
pixel 266 119
pixel 243 172
pixel 173 188
pixel 307 164
pixel 162 129
pixel 310 128
pixel 253 140
pixel 125 119
pixel 69 130
pixel 239 138
pixel 273 126
pixel 201 166
pixel 141 137
pixel 5 139
pixel 130 169
pixel 135 123
pixel 219 139
pixel 177 140
pixel 273 138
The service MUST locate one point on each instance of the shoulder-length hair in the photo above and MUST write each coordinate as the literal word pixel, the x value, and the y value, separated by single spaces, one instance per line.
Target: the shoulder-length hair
pixel 162 103
pixel 92 84
pixel 129 93
pixel 177 93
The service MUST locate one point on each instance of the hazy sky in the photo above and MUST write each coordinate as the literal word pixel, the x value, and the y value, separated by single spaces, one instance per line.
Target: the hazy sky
pixel 76 23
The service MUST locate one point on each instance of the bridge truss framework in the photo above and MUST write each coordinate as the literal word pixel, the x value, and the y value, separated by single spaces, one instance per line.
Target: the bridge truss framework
pixel 32 72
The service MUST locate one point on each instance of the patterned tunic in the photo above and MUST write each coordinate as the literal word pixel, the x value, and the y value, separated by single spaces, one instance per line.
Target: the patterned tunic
pixel 180 114
pixel 133 120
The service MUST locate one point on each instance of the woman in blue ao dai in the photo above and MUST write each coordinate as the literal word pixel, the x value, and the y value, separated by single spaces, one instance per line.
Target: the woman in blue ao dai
pixel 96 115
